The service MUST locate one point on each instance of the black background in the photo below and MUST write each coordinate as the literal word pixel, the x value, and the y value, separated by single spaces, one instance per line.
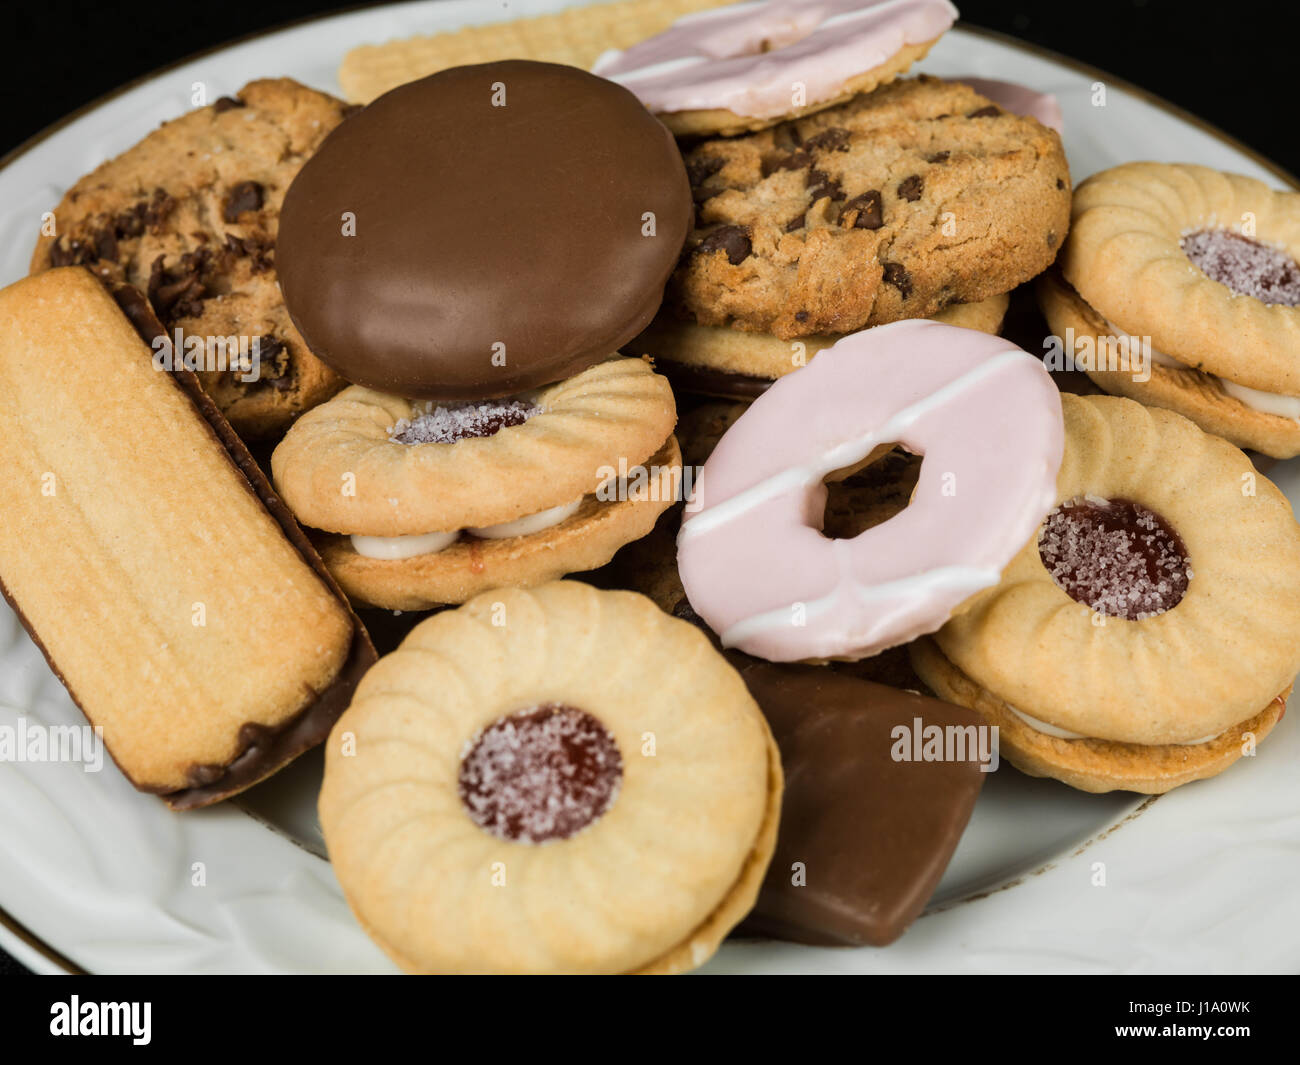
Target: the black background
pixel 1232 64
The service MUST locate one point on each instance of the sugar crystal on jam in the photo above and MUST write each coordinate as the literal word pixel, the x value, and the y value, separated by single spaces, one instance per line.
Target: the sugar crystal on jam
pixel 540 774
pixel 1116 556
pixel 1246 266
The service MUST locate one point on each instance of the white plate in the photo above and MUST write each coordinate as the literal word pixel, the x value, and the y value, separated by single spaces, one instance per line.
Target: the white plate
pixel 109 879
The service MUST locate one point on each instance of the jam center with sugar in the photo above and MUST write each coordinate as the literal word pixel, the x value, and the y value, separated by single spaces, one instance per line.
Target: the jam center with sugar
pixel 540 774
pixel 1246 266
pixel 1116 556
pixel 445 424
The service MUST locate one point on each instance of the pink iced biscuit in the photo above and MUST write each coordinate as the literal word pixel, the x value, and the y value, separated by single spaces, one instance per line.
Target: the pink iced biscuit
pixel 716 59
pixel 985 415
pixel 1019 100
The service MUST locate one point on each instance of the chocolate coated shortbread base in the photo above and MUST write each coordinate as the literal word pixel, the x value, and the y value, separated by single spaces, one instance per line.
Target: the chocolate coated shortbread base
pixel 864 836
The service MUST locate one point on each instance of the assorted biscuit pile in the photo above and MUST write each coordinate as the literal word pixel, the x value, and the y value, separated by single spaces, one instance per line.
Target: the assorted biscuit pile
pixel 713 329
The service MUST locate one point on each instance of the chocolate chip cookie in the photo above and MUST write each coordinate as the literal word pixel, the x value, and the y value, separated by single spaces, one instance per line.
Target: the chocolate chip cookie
pixel 894 205
pixel 189 217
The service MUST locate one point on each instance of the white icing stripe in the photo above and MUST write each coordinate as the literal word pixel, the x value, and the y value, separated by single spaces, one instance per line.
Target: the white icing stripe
pixel 845 17
pixel 978 408
pixel 969 579
pixel 842 455
pixel 730 10
pixel 1065 734
pixel 668 66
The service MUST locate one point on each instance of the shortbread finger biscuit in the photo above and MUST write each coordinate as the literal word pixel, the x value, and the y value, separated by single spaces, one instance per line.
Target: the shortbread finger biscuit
pixel 748 66
pixel 721 361
pixel 576 36
pixel 894 205
pixel 1167 383
pixel 585 540
pixel 525 790
pixel 1095 765
pixel 189 216
pixel 179 613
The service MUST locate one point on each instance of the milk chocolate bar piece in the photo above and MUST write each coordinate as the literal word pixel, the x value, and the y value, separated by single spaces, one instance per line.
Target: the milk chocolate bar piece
pixel 864 837
pixel 146 554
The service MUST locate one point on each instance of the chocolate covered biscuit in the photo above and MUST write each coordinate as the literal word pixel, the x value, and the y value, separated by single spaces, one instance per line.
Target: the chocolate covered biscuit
pixel 484 231
pixel 871 818
pixel 149 559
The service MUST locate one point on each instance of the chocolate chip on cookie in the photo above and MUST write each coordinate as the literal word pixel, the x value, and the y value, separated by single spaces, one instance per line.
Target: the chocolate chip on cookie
pixel 189 217
pixel 822 184
pixel 732 240
pixel 703 168
pixel 863 212
pixel 835 139
pixel 896 274
pixel 243 197
pixel 910 188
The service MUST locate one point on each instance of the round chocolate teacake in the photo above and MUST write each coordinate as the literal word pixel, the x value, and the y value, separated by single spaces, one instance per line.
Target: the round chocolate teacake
pixel 483 231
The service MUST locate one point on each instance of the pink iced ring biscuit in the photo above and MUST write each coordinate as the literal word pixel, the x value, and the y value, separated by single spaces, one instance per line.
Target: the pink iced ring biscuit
pixel 1018 99
pixel 752 558
pixel 750 58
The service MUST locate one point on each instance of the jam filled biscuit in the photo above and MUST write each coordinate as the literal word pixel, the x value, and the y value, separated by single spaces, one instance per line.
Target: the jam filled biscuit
pixel 868 824
pixel 433 504
pixel 139 544
pixel 718 361
pixel 894 205
pixel 189 217
pixel 1150 632
pixel 556 781
pixel 484 231
pixel 748 66
pixel 1180 288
